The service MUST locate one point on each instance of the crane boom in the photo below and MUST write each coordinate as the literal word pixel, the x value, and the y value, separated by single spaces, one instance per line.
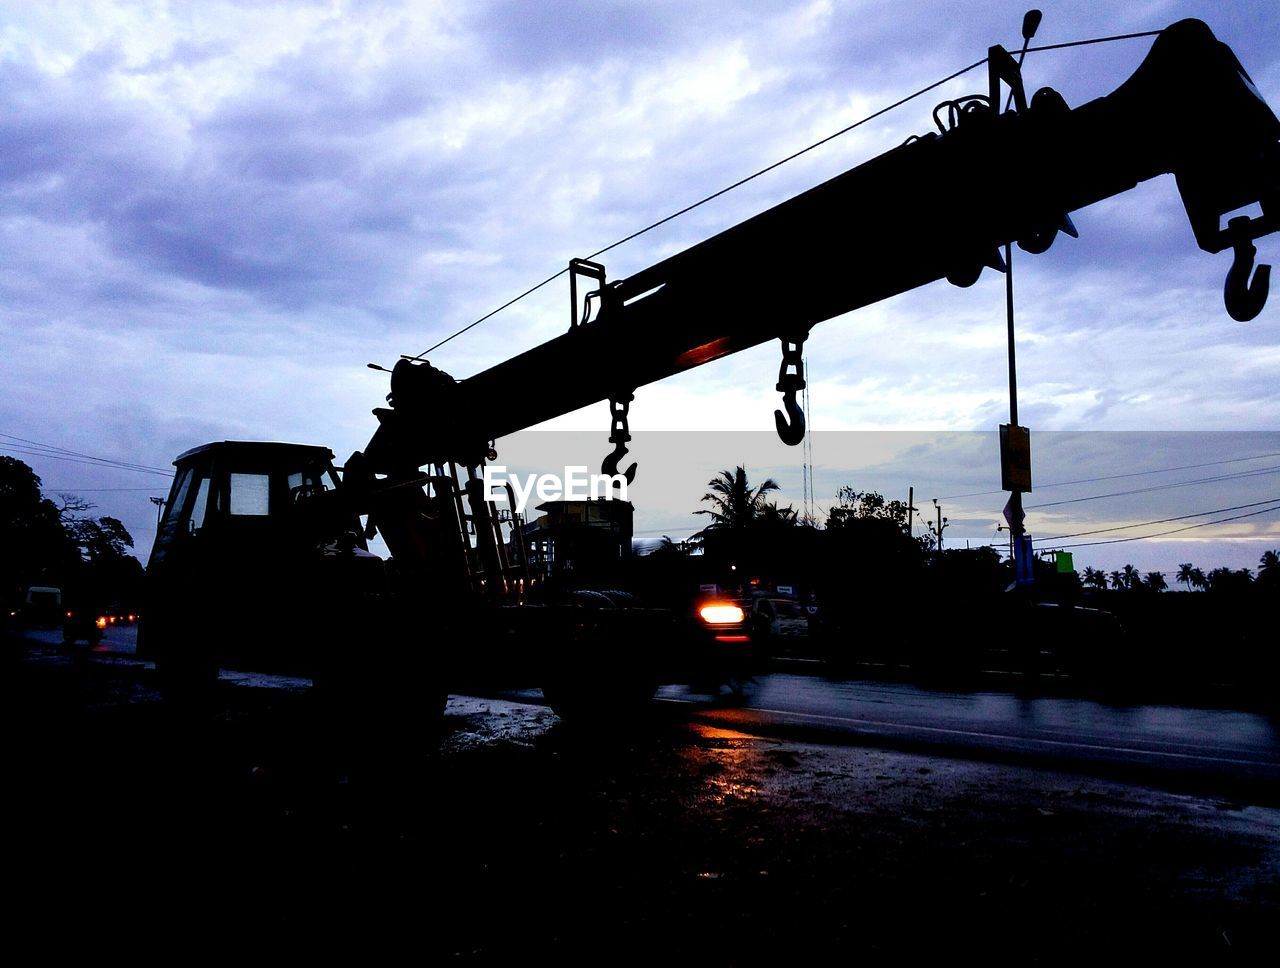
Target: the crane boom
pixel 939 206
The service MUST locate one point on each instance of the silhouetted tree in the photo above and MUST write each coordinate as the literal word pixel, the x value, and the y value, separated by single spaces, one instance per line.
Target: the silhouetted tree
pixel 57 542
pixel 1185 571
pixel 1226 581
pixel 1095 578
pixel 34 546
pixel 1156 581
pixel 1198 579
pixel 668 546
pixel 102 540
pixel 853 505
pixel 734 502
pixel 773 516
pixel 1117 580
pixel 1269 571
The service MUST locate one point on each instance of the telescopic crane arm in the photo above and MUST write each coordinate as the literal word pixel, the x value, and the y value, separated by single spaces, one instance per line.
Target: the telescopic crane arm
pixel 940 206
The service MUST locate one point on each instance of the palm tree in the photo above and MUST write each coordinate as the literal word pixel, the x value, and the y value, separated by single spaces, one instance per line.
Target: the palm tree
pixel 1117 580
pixel 1156 582
pixel 1198 579
pixel 1269 563
pixel 771 514
pixel 1132 579
pixel 669 547
pixel 1269 569
pixel 734 502
pixel 1095 578
pixel 1185 571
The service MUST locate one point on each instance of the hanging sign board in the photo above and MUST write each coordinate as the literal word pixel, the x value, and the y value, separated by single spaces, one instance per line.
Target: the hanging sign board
pixel 1015 458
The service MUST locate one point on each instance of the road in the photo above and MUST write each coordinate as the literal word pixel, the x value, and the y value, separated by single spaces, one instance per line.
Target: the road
pixel 1219 751
pixel 786 829
pixel 1215 749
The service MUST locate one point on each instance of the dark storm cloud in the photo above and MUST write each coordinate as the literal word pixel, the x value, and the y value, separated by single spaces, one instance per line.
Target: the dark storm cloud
pixel 267 194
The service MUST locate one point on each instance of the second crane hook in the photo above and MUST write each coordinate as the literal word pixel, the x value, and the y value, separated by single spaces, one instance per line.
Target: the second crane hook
pixel 1245 298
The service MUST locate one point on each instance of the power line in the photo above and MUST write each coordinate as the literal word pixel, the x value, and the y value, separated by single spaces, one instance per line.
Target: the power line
pixel 1116 477
pixel 1158 487
pixel 1145 524
pixel 1161 534
pixel 777 164
pixel 36 447
pixel 714 195
pixel 91 463
pixel 93 490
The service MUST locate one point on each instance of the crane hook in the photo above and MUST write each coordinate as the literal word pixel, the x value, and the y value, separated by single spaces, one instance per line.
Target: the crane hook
pixel 619 434
pixel 790 433
pixel 791 379
pixel 1244 298
pixel 609 466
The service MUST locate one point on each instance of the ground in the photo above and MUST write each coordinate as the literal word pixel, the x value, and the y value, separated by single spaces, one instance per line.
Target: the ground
pixel 515 834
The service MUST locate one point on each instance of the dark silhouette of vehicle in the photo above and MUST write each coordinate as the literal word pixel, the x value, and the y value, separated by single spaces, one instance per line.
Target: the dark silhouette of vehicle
pixel 84 625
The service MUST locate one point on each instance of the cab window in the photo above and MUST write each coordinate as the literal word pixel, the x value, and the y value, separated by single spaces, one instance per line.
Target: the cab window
pixel 250 495
pixel 200 505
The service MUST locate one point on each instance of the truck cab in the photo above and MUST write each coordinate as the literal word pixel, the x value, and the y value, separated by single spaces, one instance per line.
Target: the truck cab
pixel 244 558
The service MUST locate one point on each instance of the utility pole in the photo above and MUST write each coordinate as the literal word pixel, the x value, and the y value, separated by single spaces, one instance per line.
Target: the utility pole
pixel 911 510
pixel 941 526
pixel 1015 440
pixel 159 503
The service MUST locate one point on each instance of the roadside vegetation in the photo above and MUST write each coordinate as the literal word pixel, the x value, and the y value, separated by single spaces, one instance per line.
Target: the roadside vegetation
pixel 887 601
pixel 57 542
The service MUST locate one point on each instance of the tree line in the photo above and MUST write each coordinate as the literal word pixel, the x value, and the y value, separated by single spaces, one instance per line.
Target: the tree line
pixel 58 542
pixel 741 513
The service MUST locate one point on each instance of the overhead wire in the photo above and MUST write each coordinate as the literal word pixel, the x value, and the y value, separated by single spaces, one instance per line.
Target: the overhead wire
pixel 1161 534
pixel 1159 487
pixel 35 448
pixel 768 168
pixel 1116 477
pixel 708 198
pixel 1147 524
pixel 91 463
pixel 93 490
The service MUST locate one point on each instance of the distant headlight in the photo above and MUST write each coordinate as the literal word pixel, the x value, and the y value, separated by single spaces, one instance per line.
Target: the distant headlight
pixel 101 622
pixel 721 614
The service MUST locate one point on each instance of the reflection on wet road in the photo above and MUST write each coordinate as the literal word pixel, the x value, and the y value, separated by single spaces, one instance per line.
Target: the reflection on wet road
pixel 1187 742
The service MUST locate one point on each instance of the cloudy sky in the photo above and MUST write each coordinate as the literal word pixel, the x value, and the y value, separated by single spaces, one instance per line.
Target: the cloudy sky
pixel 214 214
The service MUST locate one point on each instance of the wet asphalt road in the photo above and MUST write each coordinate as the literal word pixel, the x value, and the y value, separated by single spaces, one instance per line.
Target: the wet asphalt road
pixel 514 834
pixel 1221 750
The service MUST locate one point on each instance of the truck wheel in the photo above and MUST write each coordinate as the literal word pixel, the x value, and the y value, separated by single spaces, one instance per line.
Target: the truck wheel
pixel 188 673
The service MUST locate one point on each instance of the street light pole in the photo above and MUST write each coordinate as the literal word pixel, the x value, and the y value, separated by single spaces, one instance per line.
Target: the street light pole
pixel 1013 511
pixel 941 526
